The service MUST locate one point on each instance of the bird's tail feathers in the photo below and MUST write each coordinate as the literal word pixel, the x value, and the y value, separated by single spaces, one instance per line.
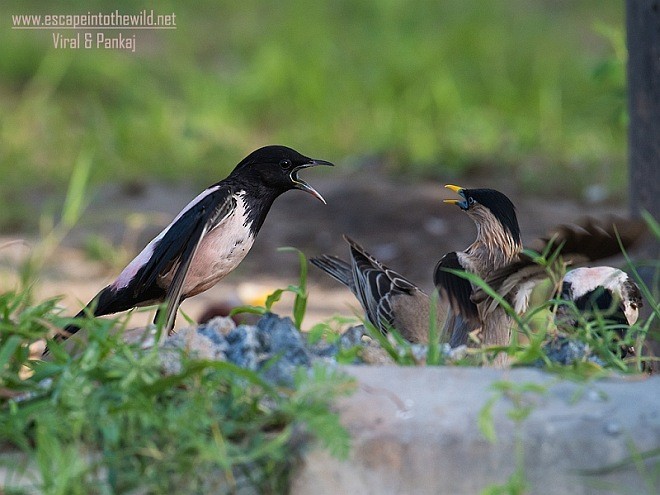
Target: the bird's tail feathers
pixel 369 267
pixel 336 268
pixel 96 307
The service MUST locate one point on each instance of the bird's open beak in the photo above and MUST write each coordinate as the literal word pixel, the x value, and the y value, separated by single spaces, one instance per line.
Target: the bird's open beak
pixel 459 190
pixel 301 184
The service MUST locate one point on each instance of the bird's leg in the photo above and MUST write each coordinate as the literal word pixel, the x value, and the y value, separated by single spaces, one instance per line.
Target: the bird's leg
pixel 166 317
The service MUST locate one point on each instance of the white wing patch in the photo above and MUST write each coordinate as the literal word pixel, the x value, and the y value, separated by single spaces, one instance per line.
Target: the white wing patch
pixel 584 280
pixel 141 259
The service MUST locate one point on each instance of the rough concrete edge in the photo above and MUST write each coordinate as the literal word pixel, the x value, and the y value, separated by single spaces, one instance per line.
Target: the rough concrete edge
pixel 414 430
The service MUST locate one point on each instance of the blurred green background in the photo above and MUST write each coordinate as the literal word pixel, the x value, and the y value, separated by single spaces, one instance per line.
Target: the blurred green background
pixel 531 89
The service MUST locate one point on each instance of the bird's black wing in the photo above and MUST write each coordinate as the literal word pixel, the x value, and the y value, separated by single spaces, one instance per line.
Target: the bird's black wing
pixel 376 285
pixel 205 220
pixel 183 237
pixel 179 243
pixel 588 240
pixel 336 268
pixel 459 329
pixel 176 249
pixel 456 289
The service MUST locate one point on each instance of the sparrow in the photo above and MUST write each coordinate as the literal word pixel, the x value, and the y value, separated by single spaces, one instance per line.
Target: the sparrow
pixel 206 240
pixel 497 244
pixel 388 299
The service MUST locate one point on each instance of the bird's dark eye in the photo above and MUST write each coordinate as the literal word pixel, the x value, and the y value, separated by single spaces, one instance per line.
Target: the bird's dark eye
pixel 285 164
pixel 470 200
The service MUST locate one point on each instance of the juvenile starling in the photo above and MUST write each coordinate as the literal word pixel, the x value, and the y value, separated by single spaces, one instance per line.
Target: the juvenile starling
pixel 388 299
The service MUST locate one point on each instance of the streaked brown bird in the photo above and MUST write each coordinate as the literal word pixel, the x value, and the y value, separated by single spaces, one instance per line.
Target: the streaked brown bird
pixel 388 299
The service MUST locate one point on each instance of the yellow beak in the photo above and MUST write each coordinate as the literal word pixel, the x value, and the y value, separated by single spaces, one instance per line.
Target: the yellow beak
pixel 456 189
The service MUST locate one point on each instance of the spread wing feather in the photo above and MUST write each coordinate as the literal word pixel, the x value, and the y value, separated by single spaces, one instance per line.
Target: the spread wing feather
pixel 588 240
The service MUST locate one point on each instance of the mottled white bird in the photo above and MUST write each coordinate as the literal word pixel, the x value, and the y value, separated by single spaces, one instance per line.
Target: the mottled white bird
pixel 603 289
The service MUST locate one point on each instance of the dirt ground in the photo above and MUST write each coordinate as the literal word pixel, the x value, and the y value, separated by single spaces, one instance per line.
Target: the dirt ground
pixel 404 224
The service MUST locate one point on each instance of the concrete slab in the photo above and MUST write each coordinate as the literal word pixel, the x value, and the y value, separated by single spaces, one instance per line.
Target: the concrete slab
pixel 415 431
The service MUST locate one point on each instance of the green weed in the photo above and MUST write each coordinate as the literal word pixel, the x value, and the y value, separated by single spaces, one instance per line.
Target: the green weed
pixel 106 419
pixel 299 291
pixel 523 399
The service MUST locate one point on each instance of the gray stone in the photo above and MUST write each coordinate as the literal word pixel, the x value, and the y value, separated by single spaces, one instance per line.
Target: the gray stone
pixel 244 347
pixel 352 337
pixel 284 347
pixel 192 342
pixel 217 329
pixel 566 351
pixel 282 338
pixel 414 431
pixel 273 347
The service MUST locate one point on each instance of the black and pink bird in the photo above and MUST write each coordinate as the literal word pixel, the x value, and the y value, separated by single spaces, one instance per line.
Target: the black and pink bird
pixel 206 240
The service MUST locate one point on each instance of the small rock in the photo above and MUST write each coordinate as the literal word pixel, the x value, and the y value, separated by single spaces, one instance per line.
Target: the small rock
pixel 244 347
pixel 613 428
pixel 454 353
pixel 565 351
pixel 284 349
pixel 352 337
pixel 192 342
pixel 372 353
pixel 219 324
pixel 419 352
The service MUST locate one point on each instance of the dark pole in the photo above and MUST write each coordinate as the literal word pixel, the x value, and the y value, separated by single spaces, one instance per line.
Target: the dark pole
pixel 643 39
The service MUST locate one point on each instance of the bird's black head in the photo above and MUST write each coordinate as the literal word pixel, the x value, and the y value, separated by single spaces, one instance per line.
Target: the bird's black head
pixel 494 201
pixel 275 169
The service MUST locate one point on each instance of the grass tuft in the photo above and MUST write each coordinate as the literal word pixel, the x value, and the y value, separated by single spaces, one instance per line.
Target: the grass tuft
pixel 105 418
